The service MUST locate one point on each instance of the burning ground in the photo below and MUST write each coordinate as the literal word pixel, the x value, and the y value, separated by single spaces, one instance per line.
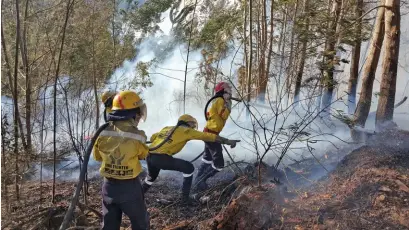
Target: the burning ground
pixel 367 189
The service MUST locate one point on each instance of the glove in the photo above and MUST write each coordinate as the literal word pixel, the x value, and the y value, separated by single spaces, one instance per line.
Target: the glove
pixel 232 143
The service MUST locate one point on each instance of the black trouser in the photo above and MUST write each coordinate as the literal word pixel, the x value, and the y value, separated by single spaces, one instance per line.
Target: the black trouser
pixel 157 162
pixel 123 196
pixel 213 154
pixel 213 162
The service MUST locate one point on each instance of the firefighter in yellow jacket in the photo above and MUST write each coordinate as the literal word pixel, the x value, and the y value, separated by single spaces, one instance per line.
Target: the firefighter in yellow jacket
pixel 120 147
pixel 169 141
pixel 216 117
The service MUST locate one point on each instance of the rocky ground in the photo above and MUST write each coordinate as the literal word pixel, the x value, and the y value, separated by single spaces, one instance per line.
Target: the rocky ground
pixel 367 189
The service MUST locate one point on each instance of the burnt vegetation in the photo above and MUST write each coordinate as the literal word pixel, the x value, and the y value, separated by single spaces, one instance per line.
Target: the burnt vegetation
pixel 305 72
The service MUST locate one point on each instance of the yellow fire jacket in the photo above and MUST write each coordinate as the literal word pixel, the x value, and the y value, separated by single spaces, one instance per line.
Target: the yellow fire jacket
pixel 120 147
pixel 178 139
pixel 217 116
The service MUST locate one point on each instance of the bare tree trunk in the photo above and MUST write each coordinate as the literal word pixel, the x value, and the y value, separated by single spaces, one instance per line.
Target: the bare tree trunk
pixel 16 114
pixel 10 78
pixel 245 36
pixel 322 69
pixel 94 77
pixel 28 100
pixel 262 62
pixel 72 138
pixel 246 63
pixel 283 22
pixel 356 54
pixel 24 57
pixel 291 61
pixel 390 63
pixel 250 58
pixel 57 72
pixel 42 140
pixel 113 35
pixel 300 67
pixel 5 192
pixel 329 64
pixel 338 30
pixel 369 69
pixel 282 43
pixel 270 47
pixel 258 47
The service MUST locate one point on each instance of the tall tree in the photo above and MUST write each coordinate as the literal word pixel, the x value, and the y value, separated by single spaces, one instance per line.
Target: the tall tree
pixel 7 64
pixel 303 52
pixel 262 44
pixel 250 58
pixel 94 75
pixel 356 54
pixel 271 39
pixel 390 62
pixel 292 60
pixel 330 53
pixel 244 75
pixel 282 44
pixel 24 57
pixel 57 72
pixel 4 143
pixel 16 114
pixel 369 69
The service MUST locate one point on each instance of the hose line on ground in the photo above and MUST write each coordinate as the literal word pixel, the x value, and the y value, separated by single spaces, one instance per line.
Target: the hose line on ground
pixel 74 201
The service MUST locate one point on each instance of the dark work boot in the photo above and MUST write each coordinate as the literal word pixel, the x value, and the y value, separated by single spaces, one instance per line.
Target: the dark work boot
pixel 187 184
pixel 203 167
pixel 145 187
pixel 201 181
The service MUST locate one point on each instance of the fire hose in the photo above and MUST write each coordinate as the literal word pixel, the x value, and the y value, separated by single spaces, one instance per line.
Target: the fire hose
pixel 214 97
pixel 74 201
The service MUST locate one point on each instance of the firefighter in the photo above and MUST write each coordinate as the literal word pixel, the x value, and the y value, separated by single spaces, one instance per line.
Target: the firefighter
pixel 216 117
pixel 169 141
pixel 107 98
pixel 120 147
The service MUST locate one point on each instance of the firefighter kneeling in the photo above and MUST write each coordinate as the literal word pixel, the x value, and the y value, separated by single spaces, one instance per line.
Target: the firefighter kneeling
pixel 169 141
pixel 120 147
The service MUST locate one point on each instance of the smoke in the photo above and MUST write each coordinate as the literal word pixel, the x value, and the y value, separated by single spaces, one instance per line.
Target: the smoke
pixel 165 104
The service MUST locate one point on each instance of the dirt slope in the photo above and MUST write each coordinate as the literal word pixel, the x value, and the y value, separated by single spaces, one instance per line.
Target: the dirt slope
pixel 369 189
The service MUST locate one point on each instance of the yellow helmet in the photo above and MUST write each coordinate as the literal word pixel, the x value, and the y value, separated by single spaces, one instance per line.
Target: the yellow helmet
pixel 189 120
pixel 107 98
pixel 127 100
pixel 106 95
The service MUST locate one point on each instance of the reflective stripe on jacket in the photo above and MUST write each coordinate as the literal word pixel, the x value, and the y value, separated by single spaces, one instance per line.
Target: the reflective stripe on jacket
pixel 217 116
pixel 178 139
pixel 120 147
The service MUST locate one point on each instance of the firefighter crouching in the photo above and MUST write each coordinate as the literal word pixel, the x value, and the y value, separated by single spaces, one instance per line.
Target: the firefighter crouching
pixel 216 117
pixel 171 140
pixel 120 147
